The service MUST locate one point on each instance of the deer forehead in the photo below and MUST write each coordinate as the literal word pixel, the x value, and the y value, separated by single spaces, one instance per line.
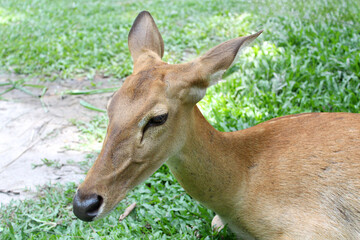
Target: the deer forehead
pixel 141 95
pixel 150 85
pixel 143 84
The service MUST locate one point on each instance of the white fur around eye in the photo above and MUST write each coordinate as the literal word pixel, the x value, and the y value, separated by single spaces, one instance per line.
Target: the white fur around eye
pixel 143 122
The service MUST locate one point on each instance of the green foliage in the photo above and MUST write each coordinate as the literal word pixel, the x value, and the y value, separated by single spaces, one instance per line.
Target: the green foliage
pixel 92 132
pixel 163 211
pixel 68 38
pixel 307 59
pixel 48 163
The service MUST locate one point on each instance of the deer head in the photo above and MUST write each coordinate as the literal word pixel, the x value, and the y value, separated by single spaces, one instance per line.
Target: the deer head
pixel 149 116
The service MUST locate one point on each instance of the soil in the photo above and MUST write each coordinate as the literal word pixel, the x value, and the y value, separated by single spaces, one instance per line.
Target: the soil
pixel 34 130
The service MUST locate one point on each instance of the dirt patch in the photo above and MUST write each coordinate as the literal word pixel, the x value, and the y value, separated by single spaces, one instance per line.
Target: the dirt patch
pixel 34 135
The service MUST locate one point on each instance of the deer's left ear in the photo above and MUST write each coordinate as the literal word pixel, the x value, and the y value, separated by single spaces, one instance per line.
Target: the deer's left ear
pixel 210 67
pixel 144 35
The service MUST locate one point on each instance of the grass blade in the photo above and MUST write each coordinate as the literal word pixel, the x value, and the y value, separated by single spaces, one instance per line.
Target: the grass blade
pixel 34 85
pixel 7 90
pixel 25 90
pixel 91 107
pixel 89 92
pixel 4 84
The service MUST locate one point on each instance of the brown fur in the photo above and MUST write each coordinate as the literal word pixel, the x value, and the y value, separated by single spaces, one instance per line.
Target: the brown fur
pixel 294 177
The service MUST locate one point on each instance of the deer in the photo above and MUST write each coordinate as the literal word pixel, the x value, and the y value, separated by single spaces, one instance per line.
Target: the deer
pixel 292 177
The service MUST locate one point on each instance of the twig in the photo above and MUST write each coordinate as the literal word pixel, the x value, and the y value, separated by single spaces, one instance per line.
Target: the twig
pixel 92 228
pixel 179 195
pixel 9 192
pixel 127 211
pixel 27 149
pixel 15 118
pixel 12 161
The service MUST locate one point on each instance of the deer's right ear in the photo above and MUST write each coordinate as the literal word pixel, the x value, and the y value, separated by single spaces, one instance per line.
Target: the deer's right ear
pixel 209 68
pixel 144 35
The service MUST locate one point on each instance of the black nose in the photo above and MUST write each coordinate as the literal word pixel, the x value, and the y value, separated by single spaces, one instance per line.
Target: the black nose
pixel 86 207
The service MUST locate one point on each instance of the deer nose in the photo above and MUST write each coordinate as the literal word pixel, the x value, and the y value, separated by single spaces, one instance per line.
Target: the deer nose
pixel 86 207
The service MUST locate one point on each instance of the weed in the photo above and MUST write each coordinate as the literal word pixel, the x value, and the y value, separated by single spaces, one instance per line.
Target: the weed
pixel 48 163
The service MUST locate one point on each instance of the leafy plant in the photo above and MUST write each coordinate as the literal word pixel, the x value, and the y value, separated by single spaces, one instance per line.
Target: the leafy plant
pixel 48 163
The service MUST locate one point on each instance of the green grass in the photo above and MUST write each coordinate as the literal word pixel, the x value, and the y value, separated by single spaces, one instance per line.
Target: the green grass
pixel 163 211
pixel 307 59
pixel 63 39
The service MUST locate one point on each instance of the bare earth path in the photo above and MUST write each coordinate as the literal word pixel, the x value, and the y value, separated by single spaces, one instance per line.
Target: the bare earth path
pixel 31 131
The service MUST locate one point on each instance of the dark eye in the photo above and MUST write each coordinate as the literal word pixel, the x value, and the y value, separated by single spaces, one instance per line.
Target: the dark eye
pixel 156 121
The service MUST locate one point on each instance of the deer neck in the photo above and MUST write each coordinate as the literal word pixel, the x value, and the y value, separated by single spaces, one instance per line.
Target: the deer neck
pixel 207 167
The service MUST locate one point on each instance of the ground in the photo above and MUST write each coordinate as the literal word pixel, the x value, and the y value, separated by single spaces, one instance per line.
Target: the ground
pixel 37 137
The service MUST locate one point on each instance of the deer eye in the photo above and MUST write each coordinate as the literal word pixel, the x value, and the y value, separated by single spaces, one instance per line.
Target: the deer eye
pixel 156 121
